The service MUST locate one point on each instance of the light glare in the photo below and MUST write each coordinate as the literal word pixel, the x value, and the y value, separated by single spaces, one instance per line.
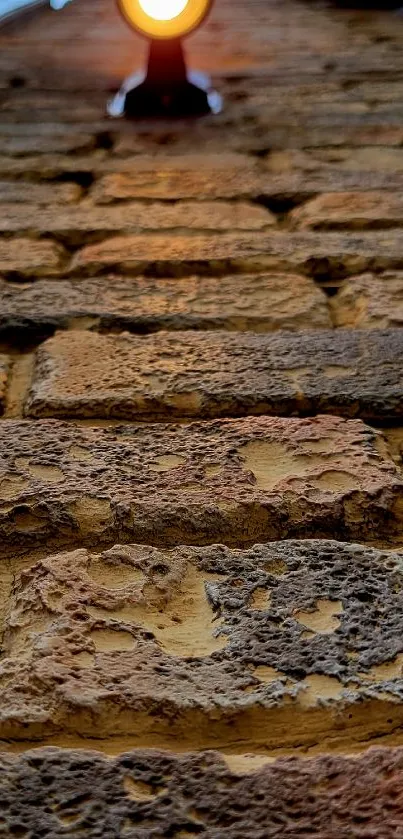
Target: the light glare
pixel 163 9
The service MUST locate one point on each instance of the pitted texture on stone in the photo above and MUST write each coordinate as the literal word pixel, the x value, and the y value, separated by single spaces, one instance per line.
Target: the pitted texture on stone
pixel 83 221
pixel 56 793
pixel 324 255
pixel 370 301
pixel 136 640
pixel 29 257
pixel 260 302
pixel 201 374
pixel 197 177
pixel 21 192
pixel 4 368
pixel 354 210
pixel 235 481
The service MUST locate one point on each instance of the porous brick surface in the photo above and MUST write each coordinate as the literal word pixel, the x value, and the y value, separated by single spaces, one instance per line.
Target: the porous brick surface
pixel 82 374
pixel 229 480
pixel 257 302
pixel 265 646
pixel 169 580
pixel 370 301
pixel 332 797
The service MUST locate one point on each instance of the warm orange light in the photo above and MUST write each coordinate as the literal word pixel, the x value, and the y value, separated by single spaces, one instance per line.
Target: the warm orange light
pixel 164 18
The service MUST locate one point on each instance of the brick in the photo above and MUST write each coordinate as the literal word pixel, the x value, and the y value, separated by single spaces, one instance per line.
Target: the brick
pixel 4 369
pixel 201 374
pixel 39 144
pixel 24 192
pixel 260 302
pixel 354 210
pixel 192 177
pixel 268 646
pixel 370 301
pixel 231 481
pixel 201 792
pixel 77 221
pixel 29 257
pixel 325 255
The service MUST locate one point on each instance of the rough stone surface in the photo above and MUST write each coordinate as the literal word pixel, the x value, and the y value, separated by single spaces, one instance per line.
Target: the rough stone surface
pixel 29 257
pixel 21 192
pixel 264 647
pixel 370 301
pixel 56 793
pixel 354 210
pixel 4 368
pixel 259 302
pixel 75 222
pixel 322 255
pixel 234 481
pixel 189 374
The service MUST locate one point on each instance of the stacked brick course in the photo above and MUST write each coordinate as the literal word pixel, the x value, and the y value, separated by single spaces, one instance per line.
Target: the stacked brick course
pixel 201 434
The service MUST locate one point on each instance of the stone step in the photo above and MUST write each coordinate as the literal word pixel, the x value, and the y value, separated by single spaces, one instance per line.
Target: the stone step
pixel 270 647
pixel 257 302
pixel 231 481
pixel 82 374
pixel 192 794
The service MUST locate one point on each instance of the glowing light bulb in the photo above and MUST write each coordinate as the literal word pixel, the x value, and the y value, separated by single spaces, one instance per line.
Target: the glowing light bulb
pixel 163 9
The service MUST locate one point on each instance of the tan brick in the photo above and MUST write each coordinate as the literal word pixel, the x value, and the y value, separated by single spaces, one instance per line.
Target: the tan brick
pixel 201 374
pixel 268 646
pixel 134 216
pixel 370 301
pixel 260 302
pixel 192 177
pixel 231 481
pixel 326 255
pixel 24 192
pixel 354 210
pixel 29 257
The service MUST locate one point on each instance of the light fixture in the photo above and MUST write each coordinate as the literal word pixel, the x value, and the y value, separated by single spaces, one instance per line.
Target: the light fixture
pixel 166 88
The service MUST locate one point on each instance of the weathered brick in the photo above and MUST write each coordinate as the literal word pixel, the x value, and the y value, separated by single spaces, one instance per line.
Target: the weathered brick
pixel 231 481
pixel 326 255
pixel 77 221
pixel 260 302
pixel 192 177
pixel 354 210
pixel 201 374
pixel 370 301
pixel 333 796
pixel 29 257
pixel 24 192
pixel 39 144
pixel 4 368
pixel 267 646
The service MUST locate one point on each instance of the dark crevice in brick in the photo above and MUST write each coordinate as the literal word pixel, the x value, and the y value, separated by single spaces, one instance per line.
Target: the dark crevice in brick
pixel 283 203
pixel 83 178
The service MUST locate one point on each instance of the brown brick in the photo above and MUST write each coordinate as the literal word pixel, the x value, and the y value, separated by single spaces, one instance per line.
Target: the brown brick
pixel 326 255
pixel 354 210
pixel 260 302
pixel 231 481
pixel 4 368
pixel 39 144
pixel 370 301
pixel 200 374
pixel 267 646
pixel 24 192
pixel 77 221
pixel 239 797
pixel 192 177
pixel 29 257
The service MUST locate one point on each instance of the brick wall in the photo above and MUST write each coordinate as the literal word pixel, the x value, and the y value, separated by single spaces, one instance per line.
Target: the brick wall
pixel 201 492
